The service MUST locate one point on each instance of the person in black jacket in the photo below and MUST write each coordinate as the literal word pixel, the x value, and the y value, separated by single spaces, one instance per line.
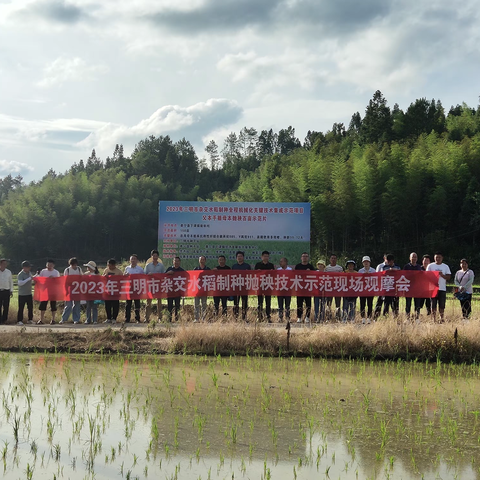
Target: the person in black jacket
pixel 265 265
pixel 240 265
pixel 304 265
pixel 222 265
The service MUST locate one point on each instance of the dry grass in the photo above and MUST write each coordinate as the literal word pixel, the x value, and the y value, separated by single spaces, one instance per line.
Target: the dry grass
pixel 388 338
pixel 106 340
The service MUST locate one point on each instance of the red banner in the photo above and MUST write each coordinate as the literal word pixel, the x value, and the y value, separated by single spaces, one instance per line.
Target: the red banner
pixel 201 283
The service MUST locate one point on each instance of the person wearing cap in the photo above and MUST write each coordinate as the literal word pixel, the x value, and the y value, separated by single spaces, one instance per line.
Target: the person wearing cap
pixel 6 290
pixel 349 303
pixel 112 307
pixel 24 280
pixel 72 306
pixel 49 272
pixel 155 266
pixel 133 269
pixel 319 302
pixel 335 268
pixel 366 301
pixel 412 265
pixel 92 305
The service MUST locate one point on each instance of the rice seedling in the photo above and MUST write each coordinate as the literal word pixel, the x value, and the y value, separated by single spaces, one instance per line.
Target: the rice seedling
pixel 313 414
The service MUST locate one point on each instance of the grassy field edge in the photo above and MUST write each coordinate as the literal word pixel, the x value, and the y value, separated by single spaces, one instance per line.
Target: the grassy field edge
pixel 452 342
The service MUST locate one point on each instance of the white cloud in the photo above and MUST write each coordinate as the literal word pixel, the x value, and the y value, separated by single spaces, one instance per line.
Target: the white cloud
pixel 19 131
pixel 375 60
pixel 10 167
pixel 193 122
pixel 305 63
pixel 65 69
pixel 299 68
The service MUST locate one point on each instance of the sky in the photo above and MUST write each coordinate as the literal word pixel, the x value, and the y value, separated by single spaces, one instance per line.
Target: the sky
pixel 83 75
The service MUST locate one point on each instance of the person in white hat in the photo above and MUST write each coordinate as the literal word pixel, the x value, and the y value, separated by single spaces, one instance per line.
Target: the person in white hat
pixel 92 305
pixel 366 301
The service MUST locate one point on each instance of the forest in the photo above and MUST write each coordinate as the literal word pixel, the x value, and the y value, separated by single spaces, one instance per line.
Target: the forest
pixel 391 180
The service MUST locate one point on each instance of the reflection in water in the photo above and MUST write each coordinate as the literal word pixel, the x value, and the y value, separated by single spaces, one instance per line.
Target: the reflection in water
pixel 188 417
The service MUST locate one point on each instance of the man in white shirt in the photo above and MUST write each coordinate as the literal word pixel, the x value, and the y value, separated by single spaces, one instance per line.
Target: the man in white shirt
pixel 50 271
pixel 380 300
pixel 6 290
pixel 155 266
pixel 444 275
pixel 133 269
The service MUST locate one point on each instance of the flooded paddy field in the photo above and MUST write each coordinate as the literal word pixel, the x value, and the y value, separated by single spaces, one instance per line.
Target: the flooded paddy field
pixel 193 417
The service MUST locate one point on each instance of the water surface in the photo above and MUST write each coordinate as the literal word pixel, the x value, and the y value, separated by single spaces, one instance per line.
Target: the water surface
pixel 106 417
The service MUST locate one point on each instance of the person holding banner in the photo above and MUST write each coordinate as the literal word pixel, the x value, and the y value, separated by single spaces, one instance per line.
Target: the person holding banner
pixel 173 303
pixel 133 269
pixel 304 265
pixel 390 301
pixel 349 303
pixel 426 260
pixel 112 307
pixel 222 265
pixel 265 265
pixel 240 265
pixel 380 300
pixel 72 306
pixel 155 266
pixel 92 305
pixel 200 303
pixel 319 302
pixel 284 300
pixel 48 272
pixel 366 301
pixel 440 299
pixel 334 267
pixel 412 265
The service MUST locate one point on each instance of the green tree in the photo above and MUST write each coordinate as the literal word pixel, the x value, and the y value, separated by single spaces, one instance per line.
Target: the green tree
pixel 377 123
pixel 214 157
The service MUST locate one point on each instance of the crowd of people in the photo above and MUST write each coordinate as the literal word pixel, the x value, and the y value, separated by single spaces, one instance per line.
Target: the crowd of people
pixel 322 312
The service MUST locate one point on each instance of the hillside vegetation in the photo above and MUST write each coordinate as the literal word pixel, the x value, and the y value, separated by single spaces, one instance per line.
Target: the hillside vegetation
pixel 391 180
